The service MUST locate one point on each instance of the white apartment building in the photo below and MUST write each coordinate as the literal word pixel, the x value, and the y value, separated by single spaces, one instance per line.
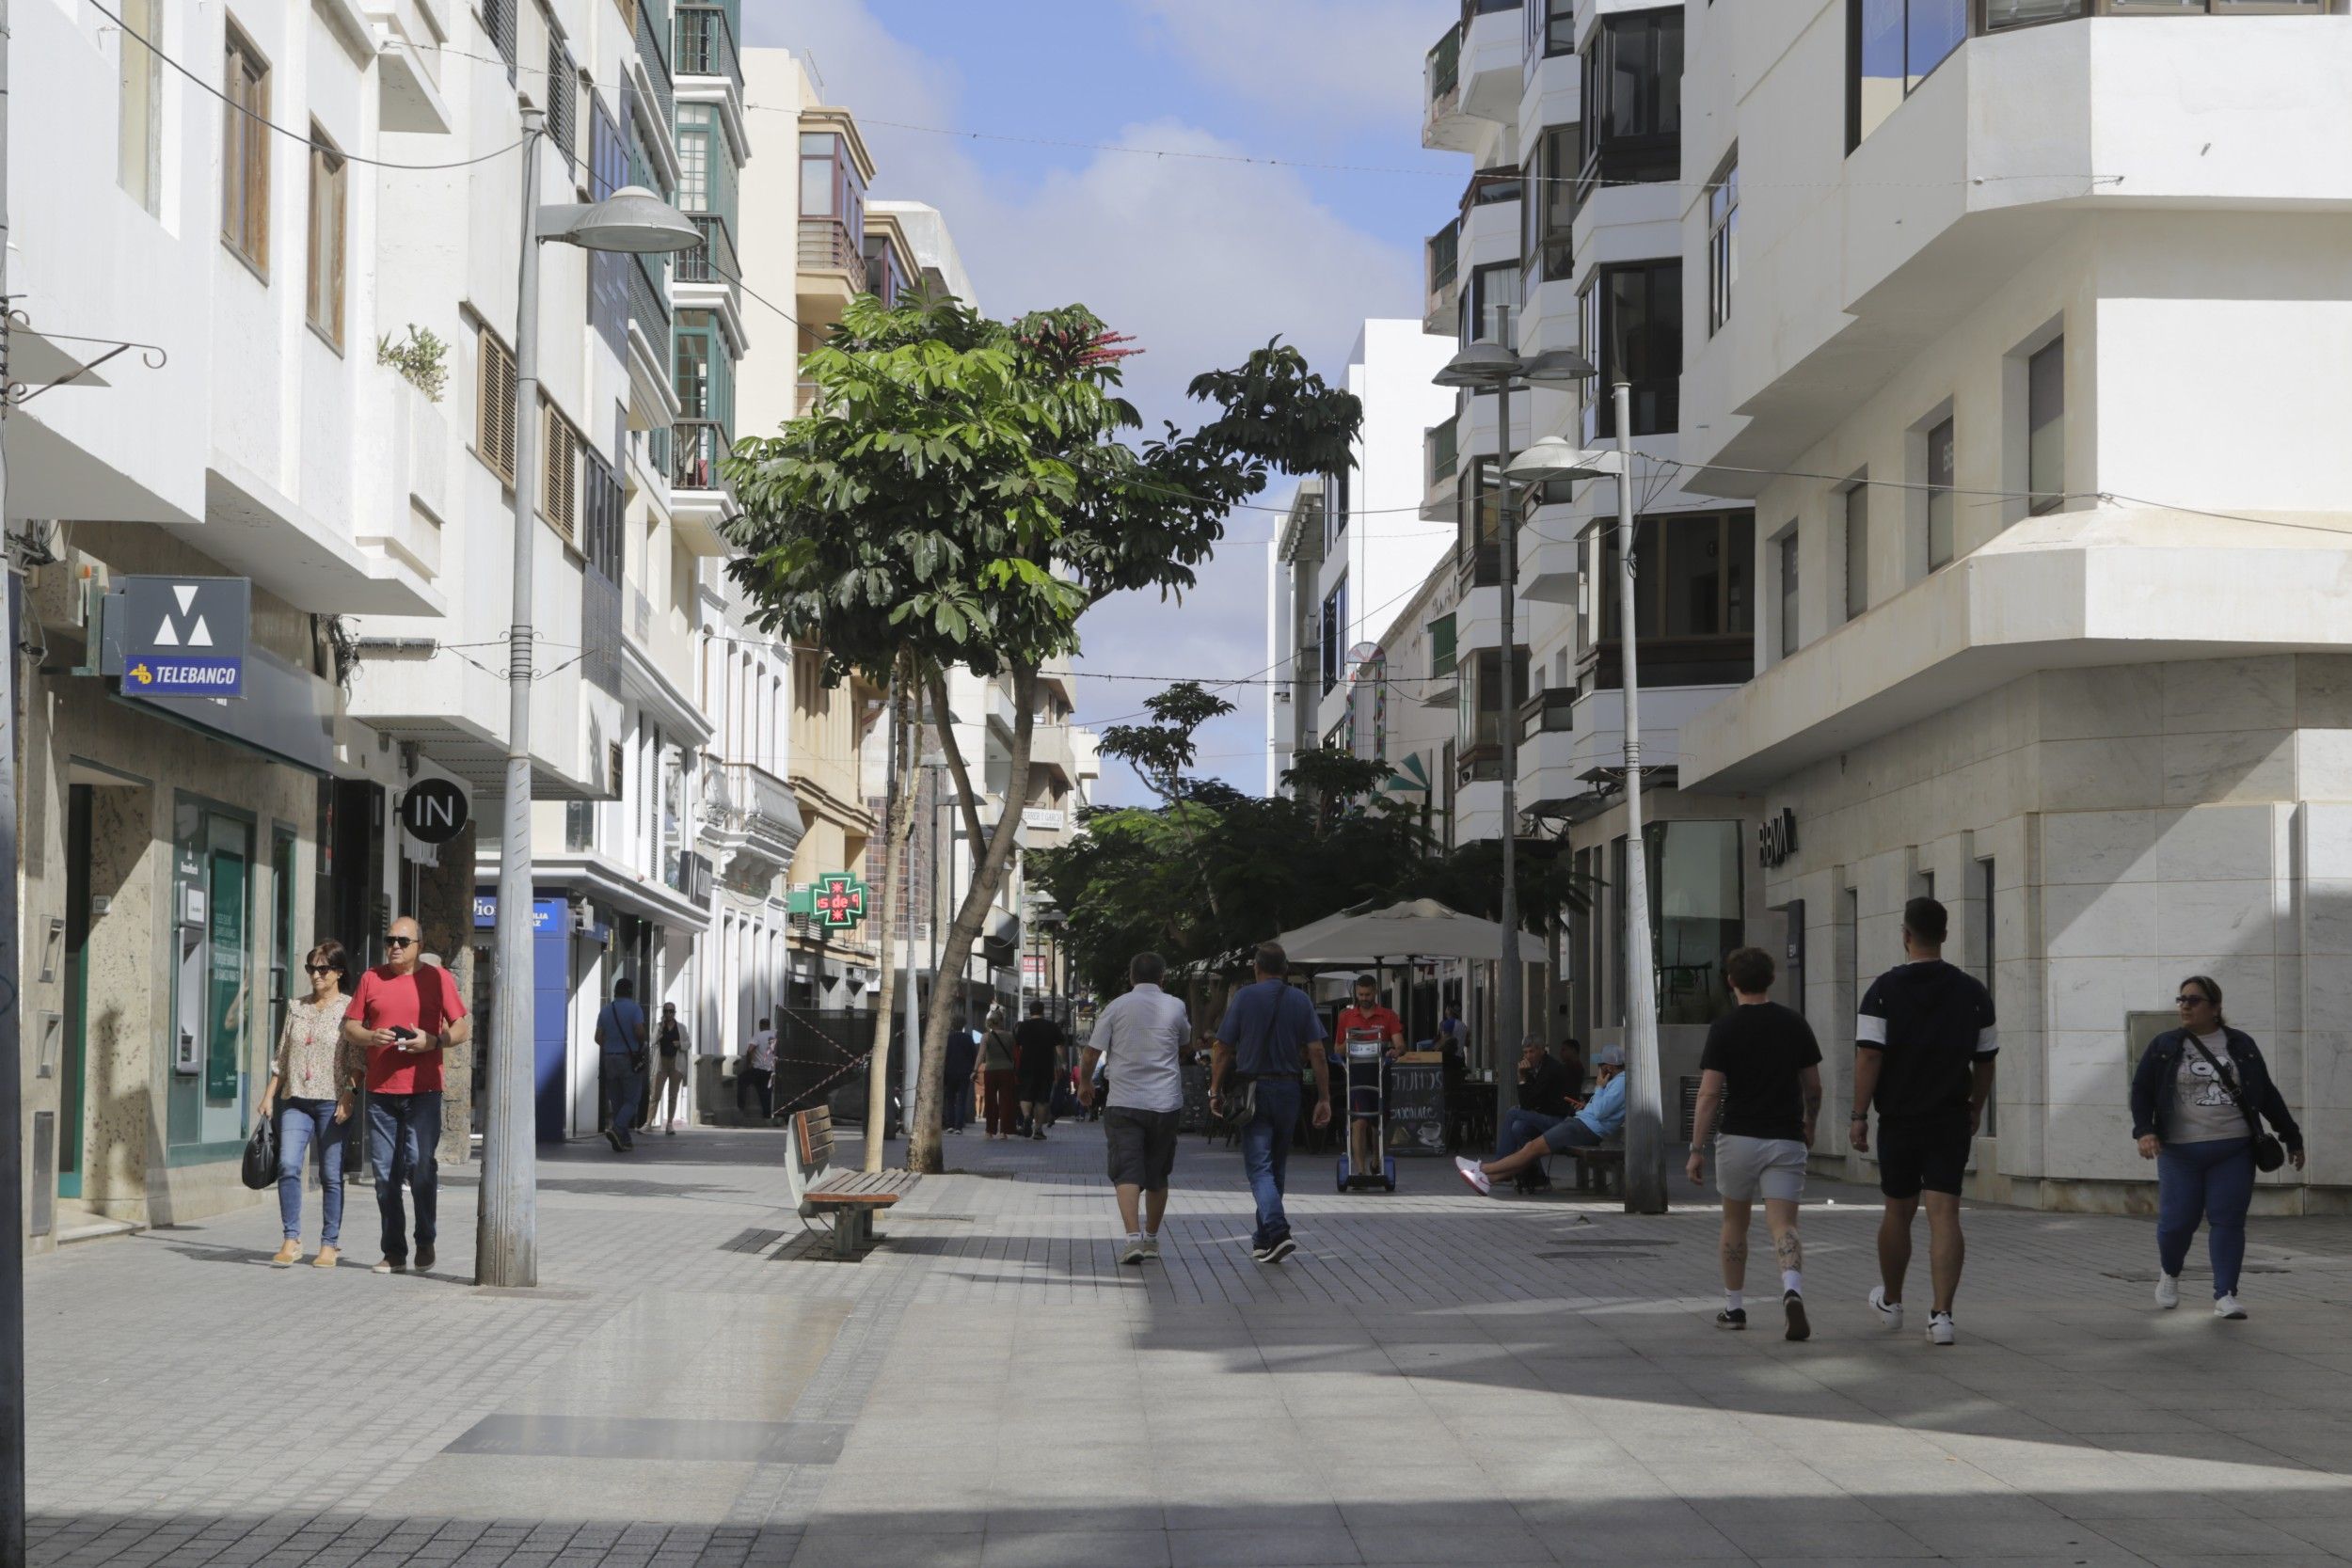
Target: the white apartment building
pixel 2034 371
pixel 1570 236
pixel 1341 581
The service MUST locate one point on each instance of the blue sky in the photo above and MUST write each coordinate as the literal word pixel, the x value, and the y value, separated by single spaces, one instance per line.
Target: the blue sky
pixel 1201 259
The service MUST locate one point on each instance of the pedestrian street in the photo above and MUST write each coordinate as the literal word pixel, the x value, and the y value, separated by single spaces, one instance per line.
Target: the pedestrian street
pixel 1433 1378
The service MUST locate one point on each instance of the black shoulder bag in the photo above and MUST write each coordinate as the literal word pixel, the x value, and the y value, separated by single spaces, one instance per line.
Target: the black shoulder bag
pixel 2269 1155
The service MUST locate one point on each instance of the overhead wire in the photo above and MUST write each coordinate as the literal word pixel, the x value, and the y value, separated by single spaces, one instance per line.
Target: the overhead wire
pixel 312 142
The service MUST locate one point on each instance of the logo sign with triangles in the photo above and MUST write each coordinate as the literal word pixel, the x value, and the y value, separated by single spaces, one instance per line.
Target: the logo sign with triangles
pixel 839 902
pixel 183 636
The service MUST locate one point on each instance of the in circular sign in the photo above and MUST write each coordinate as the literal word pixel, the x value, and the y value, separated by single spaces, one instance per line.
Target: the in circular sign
pixel 435 810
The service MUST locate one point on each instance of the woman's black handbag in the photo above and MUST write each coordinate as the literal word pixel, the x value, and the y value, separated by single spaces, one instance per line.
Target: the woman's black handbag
pixel 2269 1153
pixel 261 1155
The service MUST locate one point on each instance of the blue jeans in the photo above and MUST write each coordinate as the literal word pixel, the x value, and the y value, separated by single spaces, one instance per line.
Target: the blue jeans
pixel 403 1133
pixel 306 1123
pixel 1521 1127
pixel 2213 1181
pixel 624 1091
pixel 1265 1154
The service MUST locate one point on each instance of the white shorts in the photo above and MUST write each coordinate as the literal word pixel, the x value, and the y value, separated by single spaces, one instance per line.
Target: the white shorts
pixel 1747 1168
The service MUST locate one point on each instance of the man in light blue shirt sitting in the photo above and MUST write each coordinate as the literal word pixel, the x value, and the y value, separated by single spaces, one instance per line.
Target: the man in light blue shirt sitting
pixel 1601 1119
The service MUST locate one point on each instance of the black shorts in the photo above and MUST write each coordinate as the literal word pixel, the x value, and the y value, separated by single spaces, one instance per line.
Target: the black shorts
pixel 1037 1087
pixel 1142 1147
pixel 1933 1154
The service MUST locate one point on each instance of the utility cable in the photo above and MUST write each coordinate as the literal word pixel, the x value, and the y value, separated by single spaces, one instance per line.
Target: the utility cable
pixel 311 142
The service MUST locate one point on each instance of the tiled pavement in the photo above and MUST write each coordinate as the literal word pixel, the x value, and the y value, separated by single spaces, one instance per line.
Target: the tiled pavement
pixel 1435 1379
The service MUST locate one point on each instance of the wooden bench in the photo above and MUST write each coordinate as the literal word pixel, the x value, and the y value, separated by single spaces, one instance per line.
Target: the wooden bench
pixel 852 1196
pixel 1593 1167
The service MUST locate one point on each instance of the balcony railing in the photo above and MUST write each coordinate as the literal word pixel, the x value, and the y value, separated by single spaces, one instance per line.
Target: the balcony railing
pixel 698 446
pixel 827 246
pixel 706 44
pixel 653 48
pixel 650 303
pixel 714 262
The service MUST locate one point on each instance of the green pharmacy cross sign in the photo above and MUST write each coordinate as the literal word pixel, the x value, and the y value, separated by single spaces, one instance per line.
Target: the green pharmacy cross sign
pixel 840 901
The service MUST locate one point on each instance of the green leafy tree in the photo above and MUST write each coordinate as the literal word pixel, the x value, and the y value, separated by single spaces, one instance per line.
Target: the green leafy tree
pixel 962 492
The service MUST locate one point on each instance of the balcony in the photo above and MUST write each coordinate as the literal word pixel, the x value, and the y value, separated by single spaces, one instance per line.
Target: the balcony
pixel 1493 63
pixel 1670 661
pixel 827 246
pixel 699 496
pixel 1548 568
pixel 1550 711
pixel 715 261
pixel 1438 311
pixel 706 44
pixel 1443 125
pixel 746 809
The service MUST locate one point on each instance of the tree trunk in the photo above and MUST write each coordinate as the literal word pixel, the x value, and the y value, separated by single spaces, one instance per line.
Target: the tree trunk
pixel 898 819
pixel 922 1136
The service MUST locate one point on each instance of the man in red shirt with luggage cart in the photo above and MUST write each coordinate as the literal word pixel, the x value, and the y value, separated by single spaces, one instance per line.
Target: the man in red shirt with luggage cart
pixel 1366 1020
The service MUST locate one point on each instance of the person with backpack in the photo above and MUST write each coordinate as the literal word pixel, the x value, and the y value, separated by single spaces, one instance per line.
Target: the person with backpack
pixel 621 1063
pixel 2198 1100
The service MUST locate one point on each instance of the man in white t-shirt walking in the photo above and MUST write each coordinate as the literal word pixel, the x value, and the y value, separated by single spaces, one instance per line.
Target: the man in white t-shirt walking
pixel 1137 1039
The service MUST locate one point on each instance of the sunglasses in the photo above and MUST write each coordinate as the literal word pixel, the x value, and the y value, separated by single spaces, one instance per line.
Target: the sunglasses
pixel 322 969
pixel 2192 1001
pixel 400 942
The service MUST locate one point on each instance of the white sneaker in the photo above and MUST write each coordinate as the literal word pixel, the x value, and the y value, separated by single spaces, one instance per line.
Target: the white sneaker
pixel 2227 1307
pixel 1151 1249
pixel 1475 1176
pixel 1939 1329
pixel 1890 1312
pixel 2168 1291
pixel 1133 1251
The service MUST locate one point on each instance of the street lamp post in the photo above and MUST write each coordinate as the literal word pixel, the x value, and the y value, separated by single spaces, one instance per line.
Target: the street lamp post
pixel 506 1232
pixel 1486 367
pixel 1644 1125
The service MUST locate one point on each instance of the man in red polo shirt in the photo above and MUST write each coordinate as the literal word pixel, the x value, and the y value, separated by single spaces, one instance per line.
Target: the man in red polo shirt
pixel 1366 1020
pixel 406 1014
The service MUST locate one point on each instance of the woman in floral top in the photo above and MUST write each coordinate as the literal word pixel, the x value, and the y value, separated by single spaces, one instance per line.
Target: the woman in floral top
pixel 319 1074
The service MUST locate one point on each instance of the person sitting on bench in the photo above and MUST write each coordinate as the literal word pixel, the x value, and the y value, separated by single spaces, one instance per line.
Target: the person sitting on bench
pixel 1602 1118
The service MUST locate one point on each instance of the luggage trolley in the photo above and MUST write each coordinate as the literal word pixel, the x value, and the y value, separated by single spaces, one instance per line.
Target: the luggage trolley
pixel 1363 1048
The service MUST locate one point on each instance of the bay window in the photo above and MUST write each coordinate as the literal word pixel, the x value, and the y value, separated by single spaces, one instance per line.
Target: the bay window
pixel 1489 304
pixel 1694 599
pixel 1632 104
pixel 1632 331
pixel 1549 207
pixel 1478 508
pixel 1483 709
pixel 1892 47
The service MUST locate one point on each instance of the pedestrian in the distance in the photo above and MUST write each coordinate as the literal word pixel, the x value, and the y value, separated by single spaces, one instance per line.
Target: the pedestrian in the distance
pixel 669 1058
pixel 1137 1040
pixel 1597 1120
pixel 318 1072
pixel 962 1073
pixel 999 1077
pixel 756 1072
pixel 621 1063
pixel 2199 1099
pixel 405 1014
pixel 1038 1043
pixel 1269 1034
pixel 1545 1101
pixel 1925 1047
pixel 1761 1070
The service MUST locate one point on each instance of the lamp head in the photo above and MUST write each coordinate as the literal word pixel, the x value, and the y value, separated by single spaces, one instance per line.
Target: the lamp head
pixel 1553 458
pixel 1480 367
pixel 632 220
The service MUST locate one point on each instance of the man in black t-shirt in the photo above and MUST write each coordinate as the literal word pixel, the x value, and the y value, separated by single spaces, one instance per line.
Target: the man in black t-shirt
pixel 1924 1052
pixel 1038 1041
pixel 1762 1071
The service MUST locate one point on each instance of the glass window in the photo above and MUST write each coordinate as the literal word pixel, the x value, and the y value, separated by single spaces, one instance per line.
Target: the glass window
pixel 1549 210
pixel 1694 870
pixel 819 154
pixel 1632 331
pixel 1632 104
pixel 2045 427
pixel 1478 509
pixel 1723 244
pixel 2020 14
pixel 1942 504
pixel 1335 631
pixel 1690 577
pixel 1789 620
pixel 1559 26
pixel 694 134
pixel 1857 508
pixel 1893 46
pixel 140 117
pixel 1489 305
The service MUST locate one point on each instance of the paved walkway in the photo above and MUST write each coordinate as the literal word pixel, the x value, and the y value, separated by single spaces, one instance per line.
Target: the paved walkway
pixel 1435 1379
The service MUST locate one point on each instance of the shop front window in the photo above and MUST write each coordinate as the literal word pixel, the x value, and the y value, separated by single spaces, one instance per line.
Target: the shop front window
pixel 1694 872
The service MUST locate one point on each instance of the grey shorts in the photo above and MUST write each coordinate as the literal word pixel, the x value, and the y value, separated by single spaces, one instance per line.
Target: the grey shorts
pixel 1142 1147
pixel 1749 1168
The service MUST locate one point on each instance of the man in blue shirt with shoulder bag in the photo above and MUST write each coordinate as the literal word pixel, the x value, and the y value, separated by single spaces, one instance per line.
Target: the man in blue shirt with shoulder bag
pixel 1268 1038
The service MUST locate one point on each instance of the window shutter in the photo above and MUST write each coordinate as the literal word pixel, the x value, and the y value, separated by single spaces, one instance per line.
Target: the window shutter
pixel 494 420
pixel 559 485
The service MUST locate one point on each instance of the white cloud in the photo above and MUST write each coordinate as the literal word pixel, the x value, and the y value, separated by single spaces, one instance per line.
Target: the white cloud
pixel 1202 261
pixel 1308 59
